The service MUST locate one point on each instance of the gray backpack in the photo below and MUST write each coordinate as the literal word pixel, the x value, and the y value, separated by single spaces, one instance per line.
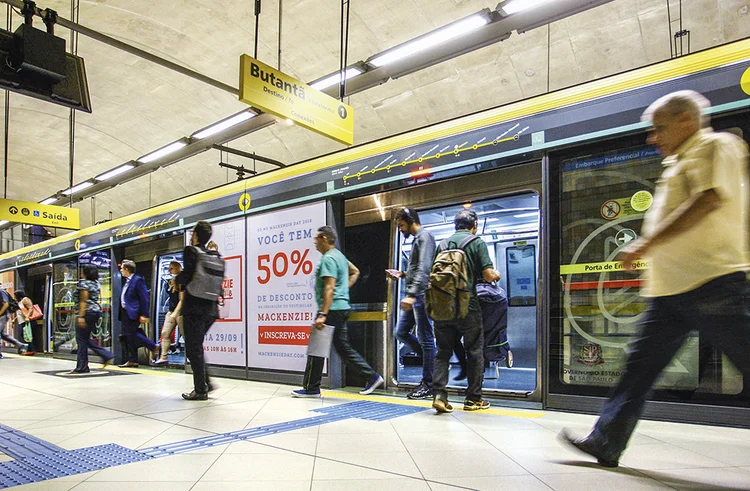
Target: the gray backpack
pixel 208 276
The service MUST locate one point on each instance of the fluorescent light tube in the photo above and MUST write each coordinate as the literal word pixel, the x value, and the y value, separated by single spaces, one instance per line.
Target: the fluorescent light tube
pixel 429 40
pixel 48 201
pixel 78 187
pixel 114 172
pixel 4 222
pixel 162 152
pixel 515 6
pixel 530 214
pixel 222 125
pixel 335 78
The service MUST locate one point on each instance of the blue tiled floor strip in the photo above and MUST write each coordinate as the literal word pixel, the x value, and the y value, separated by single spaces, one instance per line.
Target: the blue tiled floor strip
pixel 37 460
pixel 18 444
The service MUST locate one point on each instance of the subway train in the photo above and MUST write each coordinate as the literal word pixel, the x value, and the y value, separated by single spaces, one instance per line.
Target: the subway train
pixel 560 183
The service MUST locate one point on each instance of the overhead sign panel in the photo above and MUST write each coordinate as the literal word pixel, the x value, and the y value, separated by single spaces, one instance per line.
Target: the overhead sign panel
pixel 36 214
pixel 282 95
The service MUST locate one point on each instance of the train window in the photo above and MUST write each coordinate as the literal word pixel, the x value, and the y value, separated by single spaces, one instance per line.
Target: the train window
pixel 521 270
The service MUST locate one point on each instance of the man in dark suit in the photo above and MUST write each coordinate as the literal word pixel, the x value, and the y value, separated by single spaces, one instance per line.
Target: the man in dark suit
pixel 134 312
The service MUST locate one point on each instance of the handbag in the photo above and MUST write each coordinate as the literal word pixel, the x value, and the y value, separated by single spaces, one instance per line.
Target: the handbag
pixel 36 313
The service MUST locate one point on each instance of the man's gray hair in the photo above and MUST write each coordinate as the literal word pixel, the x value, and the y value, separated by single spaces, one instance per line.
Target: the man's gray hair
pixel 129 265
pixel 690 102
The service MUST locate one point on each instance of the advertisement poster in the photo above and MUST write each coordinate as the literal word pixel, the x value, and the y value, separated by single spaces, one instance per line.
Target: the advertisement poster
pixel 281 298
pixel 225 343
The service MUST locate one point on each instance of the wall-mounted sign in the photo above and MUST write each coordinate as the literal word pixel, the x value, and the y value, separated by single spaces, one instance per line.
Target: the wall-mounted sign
pixel 277 93
pixel 36 214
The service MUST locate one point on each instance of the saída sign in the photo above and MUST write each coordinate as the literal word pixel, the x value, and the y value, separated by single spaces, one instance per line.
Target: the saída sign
pixel 36 214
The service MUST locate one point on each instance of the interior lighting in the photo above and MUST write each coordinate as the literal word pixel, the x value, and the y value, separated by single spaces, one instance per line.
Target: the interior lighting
pixel 439 36
pixel 78 187
pixel 222 125
pixel 4 222
pixel 48 201
pixel 379 206
pixel 515 6
pixel 530 214
pixel 114 172
pixel 162 152
pixel 335 78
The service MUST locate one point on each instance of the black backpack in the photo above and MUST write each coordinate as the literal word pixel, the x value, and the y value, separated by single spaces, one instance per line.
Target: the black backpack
pixel 12 303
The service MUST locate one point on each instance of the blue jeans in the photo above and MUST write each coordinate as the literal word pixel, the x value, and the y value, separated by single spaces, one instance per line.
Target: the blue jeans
pixel 83 338
pixel 426 343
pixel 718 310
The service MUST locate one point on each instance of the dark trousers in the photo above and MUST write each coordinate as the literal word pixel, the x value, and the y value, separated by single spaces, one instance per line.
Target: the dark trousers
pixel 196 325
pixel 718 310
pixel 83 338
pixel 314 368
pixel 448 335
pixel 425 345
pixel 136 338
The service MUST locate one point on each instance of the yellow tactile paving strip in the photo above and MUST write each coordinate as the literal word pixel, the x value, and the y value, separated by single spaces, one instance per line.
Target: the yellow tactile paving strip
pixel 516 413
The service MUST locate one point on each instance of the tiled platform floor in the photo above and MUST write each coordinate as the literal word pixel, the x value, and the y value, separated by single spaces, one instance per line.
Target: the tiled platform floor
pixel 500 449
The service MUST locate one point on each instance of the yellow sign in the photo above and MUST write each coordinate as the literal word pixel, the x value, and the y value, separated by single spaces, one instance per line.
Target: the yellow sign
pixel 36 214
pixel 605 267
pixel 745 82
pixel 641 201
pixel 244 202
pixel 277 93
pixel 618 208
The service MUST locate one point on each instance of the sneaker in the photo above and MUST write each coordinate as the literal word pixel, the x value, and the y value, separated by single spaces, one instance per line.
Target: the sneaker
pixel 470 405
pixel 375 382
pixel 194 396
pixel 442 406
pixel 304 393
pixel 509 359
pixel 461 375
pixel 421 392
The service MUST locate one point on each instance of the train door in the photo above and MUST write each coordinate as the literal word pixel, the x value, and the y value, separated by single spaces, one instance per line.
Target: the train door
pixel 510 227
pixel 161 286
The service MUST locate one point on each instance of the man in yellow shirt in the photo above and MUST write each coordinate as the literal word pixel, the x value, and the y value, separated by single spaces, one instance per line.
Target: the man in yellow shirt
pixel 695 236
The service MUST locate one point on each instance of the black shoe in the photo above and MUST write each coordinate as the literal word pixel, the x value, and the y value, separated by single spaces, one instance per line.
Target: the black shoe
pixel 461 375
pixel 194 396
pixel 212 387
pixel 421 392
pixel 588 446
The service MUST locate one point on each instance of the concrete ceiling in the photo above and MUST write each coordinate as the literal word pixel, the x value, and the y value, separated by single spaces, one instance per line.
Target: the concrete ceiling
pixel 139 106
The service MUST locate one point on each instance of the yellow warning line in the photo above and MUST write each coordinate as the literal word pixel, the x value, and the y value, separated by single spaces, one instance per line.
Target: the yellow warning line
pixel 517 413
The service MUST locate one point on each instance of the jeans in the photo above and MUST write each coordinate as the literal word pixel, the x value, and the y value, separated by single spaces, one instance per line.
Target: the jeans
pixel 718 310
pixel 426 343
pixel 314 368
pixel 83 338
pixel 447 335
pixel 136 338
pixel 196 326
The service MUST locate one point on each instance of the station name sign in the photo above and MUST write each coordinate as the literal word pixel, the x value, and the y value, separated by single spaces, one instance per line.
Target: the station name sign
pixel 277 93
pixel 35 214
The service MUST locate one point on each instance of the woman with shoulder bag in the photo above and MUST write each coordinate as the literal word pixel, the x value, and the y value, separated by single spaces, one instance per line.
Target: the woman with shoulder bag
pixel 25 324
pixel 88 312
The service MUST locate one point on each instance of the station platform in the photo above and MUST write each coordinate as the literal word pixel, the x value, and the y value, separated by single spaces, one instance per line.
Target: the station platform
pixel 130 429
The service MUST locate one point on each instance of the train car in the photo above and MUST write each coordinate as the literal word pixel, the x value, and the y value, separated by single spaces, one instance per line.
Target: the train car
pixel 560 183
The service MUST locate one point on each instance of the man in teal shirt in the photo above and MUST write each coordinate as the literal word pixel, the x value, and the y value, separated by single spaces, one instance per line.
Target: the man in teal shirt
pixel 333 277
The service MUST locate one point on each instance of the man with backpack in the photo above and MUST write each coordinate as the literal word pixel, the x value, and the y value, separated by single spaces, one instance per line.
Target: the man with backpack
pixel 8 306
pixel 417 278
pixel 453 305
pixel 201 280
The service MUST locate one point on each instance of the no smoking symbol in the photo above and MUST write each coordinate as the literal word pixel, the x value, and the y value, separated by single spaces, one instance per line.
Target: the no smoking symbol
pixel 610 209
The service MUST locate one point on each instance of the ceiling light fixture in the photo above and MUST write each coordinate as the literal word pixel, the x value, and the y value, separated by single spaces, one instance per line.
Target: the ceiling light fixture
pixel 438 36
pixel 48 201
pixel 222 125
pixel 114 172
pixel 515 6
pixel 334 78
pixel 162 152
pixel 78 187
